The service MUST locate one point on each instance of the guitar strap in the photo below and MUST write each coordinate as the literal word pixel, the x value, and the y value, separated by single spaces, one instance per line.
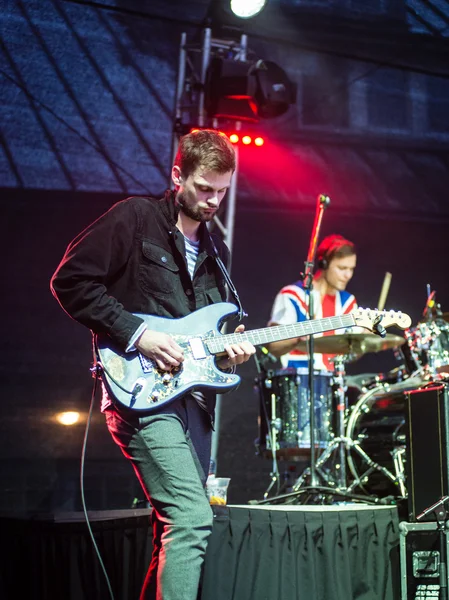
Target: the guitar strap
pixel 228 279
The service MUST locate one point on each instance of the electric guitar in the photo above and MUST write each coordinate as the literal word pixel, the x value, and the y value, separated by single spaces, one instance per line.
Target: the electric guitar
pixel 135 381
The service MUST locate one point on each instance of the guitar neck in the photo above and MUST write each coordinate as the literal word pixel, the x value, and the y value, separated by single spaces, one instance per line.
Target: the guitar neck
pixel 259 337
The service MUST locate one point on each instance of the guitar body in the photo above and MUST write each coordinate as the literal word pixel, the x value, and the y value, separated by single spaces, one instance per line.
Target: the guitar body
pixel 136 383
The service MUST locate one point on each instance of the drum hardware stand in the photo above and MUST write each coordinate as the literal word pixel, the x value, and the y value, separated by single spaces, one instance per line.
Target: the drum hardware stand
pixel 339 443
pixel 274 425
pixel 373 466
pixel 340 487
pixel 341 409
pixel 398 462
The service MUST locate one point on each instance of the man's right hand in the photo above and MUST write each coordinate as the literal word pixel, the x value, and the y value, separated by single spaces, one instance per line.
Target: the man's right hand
pixel 161 348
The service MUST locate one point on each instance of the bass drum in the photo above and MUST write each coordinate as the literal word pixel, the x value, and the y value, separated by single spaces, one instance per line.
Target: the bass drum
pixel 377 425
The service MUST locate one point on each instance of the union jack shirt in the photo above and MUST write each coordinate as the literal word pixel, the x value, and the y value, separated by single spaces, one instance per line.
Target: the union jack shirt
pixel 290 306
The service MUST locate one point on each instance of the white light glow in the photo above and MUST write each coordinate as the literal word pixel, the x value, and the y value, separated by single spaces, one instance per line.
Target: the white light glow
pixel 246 9
pixel 68 418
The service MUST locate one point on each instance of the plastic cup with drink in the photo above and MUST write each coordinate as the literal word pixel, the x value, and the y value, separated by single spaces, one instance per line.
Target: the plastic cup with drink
pixel 217 489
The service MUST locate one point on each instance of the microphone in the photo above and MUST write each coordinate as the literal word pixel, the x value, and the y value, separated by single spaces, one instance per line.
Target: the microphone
pixel 323 199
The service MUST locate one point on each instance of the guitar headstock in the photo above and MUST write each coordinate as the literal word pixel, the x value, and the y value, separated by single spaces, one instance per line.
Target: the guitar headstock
pixel 367 317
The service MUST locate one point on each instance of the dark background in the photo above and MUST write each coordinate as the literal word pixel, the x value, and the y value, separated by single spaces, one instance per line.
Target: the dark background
pixel 87 116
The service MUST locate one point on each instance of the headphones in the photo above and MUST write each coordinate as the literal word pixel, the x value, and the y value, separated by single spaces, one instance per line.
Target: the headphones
pixel 322 263
pixel 327 249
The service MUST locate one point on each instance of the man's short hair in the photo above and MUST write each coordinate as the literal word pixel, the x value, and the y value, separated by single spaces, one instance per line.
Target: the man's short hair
pixel 205 148
pixel 333 246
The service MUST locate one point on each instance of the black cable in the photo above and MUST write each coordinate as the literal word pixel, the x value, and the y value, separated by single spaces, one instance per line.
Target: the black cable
pixel 83 499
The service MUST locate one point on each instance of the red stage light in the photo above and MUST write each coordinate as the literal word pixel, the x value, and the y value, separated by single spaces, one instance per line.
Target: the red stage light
pixel 234 138
pixel 246 139
pixel 259 141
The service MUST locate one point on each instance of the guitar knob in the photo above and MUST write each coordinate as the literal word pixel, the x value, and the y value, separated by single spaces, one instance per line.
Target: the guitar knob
pixel 166 379
pixel 154 396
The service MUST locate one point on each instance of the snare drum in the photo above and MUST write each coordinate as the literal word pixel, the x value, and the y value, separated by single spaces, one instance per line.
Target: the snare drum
pixel 285 412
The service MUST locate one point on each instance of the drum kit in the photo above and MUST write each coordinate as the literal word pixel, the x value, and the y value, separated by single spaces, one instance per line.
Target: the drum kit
pixel 360 421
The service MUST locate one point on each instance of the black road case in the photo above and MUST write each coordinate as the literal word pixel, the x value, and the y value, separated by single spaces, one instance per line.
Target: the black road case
pixel 421 560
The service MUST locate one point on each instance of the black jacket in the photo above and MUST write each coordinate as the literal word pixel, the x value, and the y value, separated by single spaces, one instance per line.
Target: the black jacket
pixel 132 260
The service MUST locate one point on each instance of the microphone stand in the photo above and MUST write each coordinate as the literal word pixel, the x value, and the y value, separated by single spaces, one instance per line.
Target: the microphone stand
pixel 307 278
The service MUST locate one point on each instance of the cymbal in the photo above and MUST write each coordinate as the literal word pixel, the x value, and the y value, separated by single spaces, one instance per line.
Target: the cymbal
pixel 353 343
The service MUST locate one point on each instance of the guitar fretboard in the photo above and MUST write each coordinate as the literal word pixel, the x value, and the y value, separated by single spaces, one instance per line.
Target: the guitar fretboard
pixel 257 337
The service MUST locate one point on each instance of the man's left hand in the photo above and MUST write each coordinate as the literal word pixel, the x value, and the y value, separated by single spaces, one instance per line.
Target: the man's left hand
pixel 237 353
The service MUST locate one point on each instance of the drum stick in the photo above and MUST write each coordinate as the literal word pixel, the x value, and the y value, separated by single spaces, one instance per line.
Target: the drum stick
pixel 384 291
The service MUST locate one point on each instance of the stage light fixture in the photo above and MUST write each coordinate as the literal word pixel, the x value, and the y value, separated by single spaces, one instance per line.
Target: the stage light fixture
pixel 274 91
pixel 247 91
pixel 234 138
pixel 230 89
pixel 246 139
pixel 259 141
pixel 245 9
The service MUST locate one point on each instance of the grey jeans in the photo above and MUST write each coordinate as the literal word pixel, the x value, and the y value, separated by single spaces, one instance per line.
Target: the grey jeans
pixel 170 453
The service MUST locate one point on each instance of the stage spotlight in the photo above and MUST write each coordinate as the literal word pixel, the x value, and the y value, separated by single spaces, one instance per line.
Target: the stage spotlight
pixel 274 90
pixel 230 90
pixel 246 140
pixel 259 141
pixel 247 91
pixel 234 138
pixel 245 9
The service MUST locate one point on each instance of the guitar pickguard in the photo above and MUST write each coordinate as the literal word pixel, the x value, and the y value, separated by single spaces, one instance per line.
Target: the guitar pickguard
pixel 143 386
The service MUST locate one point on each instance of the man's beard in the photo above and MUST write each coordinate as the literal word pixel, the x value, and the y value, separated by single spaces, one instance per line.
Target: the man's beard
pixel 193 213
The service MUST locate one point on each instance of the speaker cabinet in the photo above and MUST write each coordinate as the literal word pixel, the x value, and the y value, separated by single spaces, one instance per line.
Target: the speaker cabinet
pixel 427 448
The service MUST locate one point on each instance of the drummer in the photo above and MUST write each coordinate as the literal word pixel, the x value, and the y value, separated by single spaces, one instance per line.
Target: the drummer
pixel 336 262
